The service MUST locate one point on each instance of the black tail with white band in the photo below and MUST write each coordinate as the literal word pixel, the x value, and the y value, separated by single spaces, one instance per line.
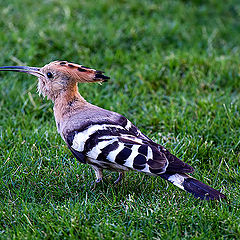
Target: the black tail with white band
pixel 193 186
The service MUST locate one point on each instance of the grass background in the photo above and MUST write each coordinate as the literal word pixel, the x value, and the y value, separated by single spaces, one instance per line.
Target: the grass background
pixel 174 68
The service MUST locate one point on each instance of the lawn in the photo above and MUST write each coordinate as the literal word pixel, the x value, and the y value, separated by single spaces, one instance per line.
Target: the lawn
pixel 174 68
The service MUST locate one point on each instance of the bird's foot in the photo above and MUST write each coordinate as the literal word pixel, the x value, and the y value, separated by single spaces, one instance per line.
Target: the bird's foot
pixel 120 177
pixel 98 180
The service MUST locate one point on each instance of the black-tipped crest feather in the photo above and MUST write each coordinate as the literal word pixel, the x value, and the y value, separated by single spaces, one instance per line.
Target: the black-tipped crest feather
pixel 100 76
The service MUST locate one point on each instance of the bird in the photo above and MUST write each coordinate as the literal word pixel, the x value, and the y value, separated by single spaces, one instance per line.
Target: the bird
pixel 105 139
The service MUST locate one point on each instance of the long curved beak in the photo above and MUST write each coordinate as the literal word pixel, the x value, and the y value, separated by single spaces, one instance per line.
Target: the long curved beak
pixel 30 70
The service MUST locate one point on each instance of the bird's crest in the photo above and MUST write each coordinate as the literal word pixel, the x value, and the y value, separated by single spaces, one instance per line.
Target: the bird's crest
pixel 80 72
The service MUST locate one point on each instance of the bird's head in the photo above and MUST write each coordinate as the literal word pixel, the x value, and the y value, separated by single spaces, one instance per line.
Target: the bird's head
pixel 59 76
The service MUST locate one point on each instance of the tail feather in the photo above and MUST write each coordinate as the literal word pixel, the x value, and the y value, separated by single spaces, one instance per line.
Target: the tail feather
pixel 193 186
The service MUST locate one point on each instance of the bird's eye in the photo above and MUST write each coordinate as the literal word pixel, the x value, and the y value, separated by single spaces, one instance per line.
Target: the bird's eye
pixel 49 75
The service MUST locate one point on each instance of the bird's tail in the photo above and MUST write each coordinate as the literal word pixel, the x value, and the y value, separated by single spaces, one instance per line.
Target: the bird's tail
pixel 193 186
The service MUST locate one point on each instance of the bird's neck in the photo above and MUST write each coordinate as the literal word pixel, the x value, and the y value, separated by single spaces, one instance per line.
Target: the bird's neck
pixel 67 103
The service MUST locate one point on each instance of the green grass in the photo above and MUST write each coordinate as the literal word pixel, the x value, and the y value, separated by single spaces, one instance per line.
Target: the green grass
pixel 174 68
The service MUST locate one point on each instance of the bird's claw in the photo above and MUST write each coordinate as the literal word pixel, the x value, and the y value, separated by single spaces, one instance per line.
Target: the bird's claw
pixel 119 179
pixel 97 181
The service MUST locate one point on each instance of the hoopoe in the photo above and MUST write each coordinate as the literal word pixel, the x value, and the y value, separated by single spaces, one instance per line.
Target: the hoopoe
pixel 106 139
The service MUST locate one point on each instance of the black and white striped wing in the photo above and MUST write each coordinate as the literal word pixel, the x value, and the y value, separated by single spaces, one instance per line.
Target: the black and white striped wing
pixel 119 146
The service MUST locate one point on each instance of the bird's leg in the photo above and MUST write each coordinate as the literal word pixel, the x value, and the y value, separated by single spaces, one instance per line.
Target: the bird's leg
pixel 120 177
pixel 99 174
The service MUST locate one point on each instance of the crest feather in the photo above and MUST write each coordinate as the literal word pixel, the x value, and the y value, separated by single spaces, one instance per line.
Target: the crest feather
pixel 80 72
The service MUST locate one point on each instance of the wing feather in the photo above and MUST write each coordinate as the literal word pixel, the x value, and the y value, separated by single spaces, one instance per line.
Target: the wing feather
pixel 123 143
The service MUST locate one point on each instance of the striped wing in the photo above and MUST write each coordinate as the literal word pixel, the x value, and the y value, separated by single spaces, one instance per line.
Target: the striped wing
pixel 118 145
pixel 122 144
pixel 129 152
